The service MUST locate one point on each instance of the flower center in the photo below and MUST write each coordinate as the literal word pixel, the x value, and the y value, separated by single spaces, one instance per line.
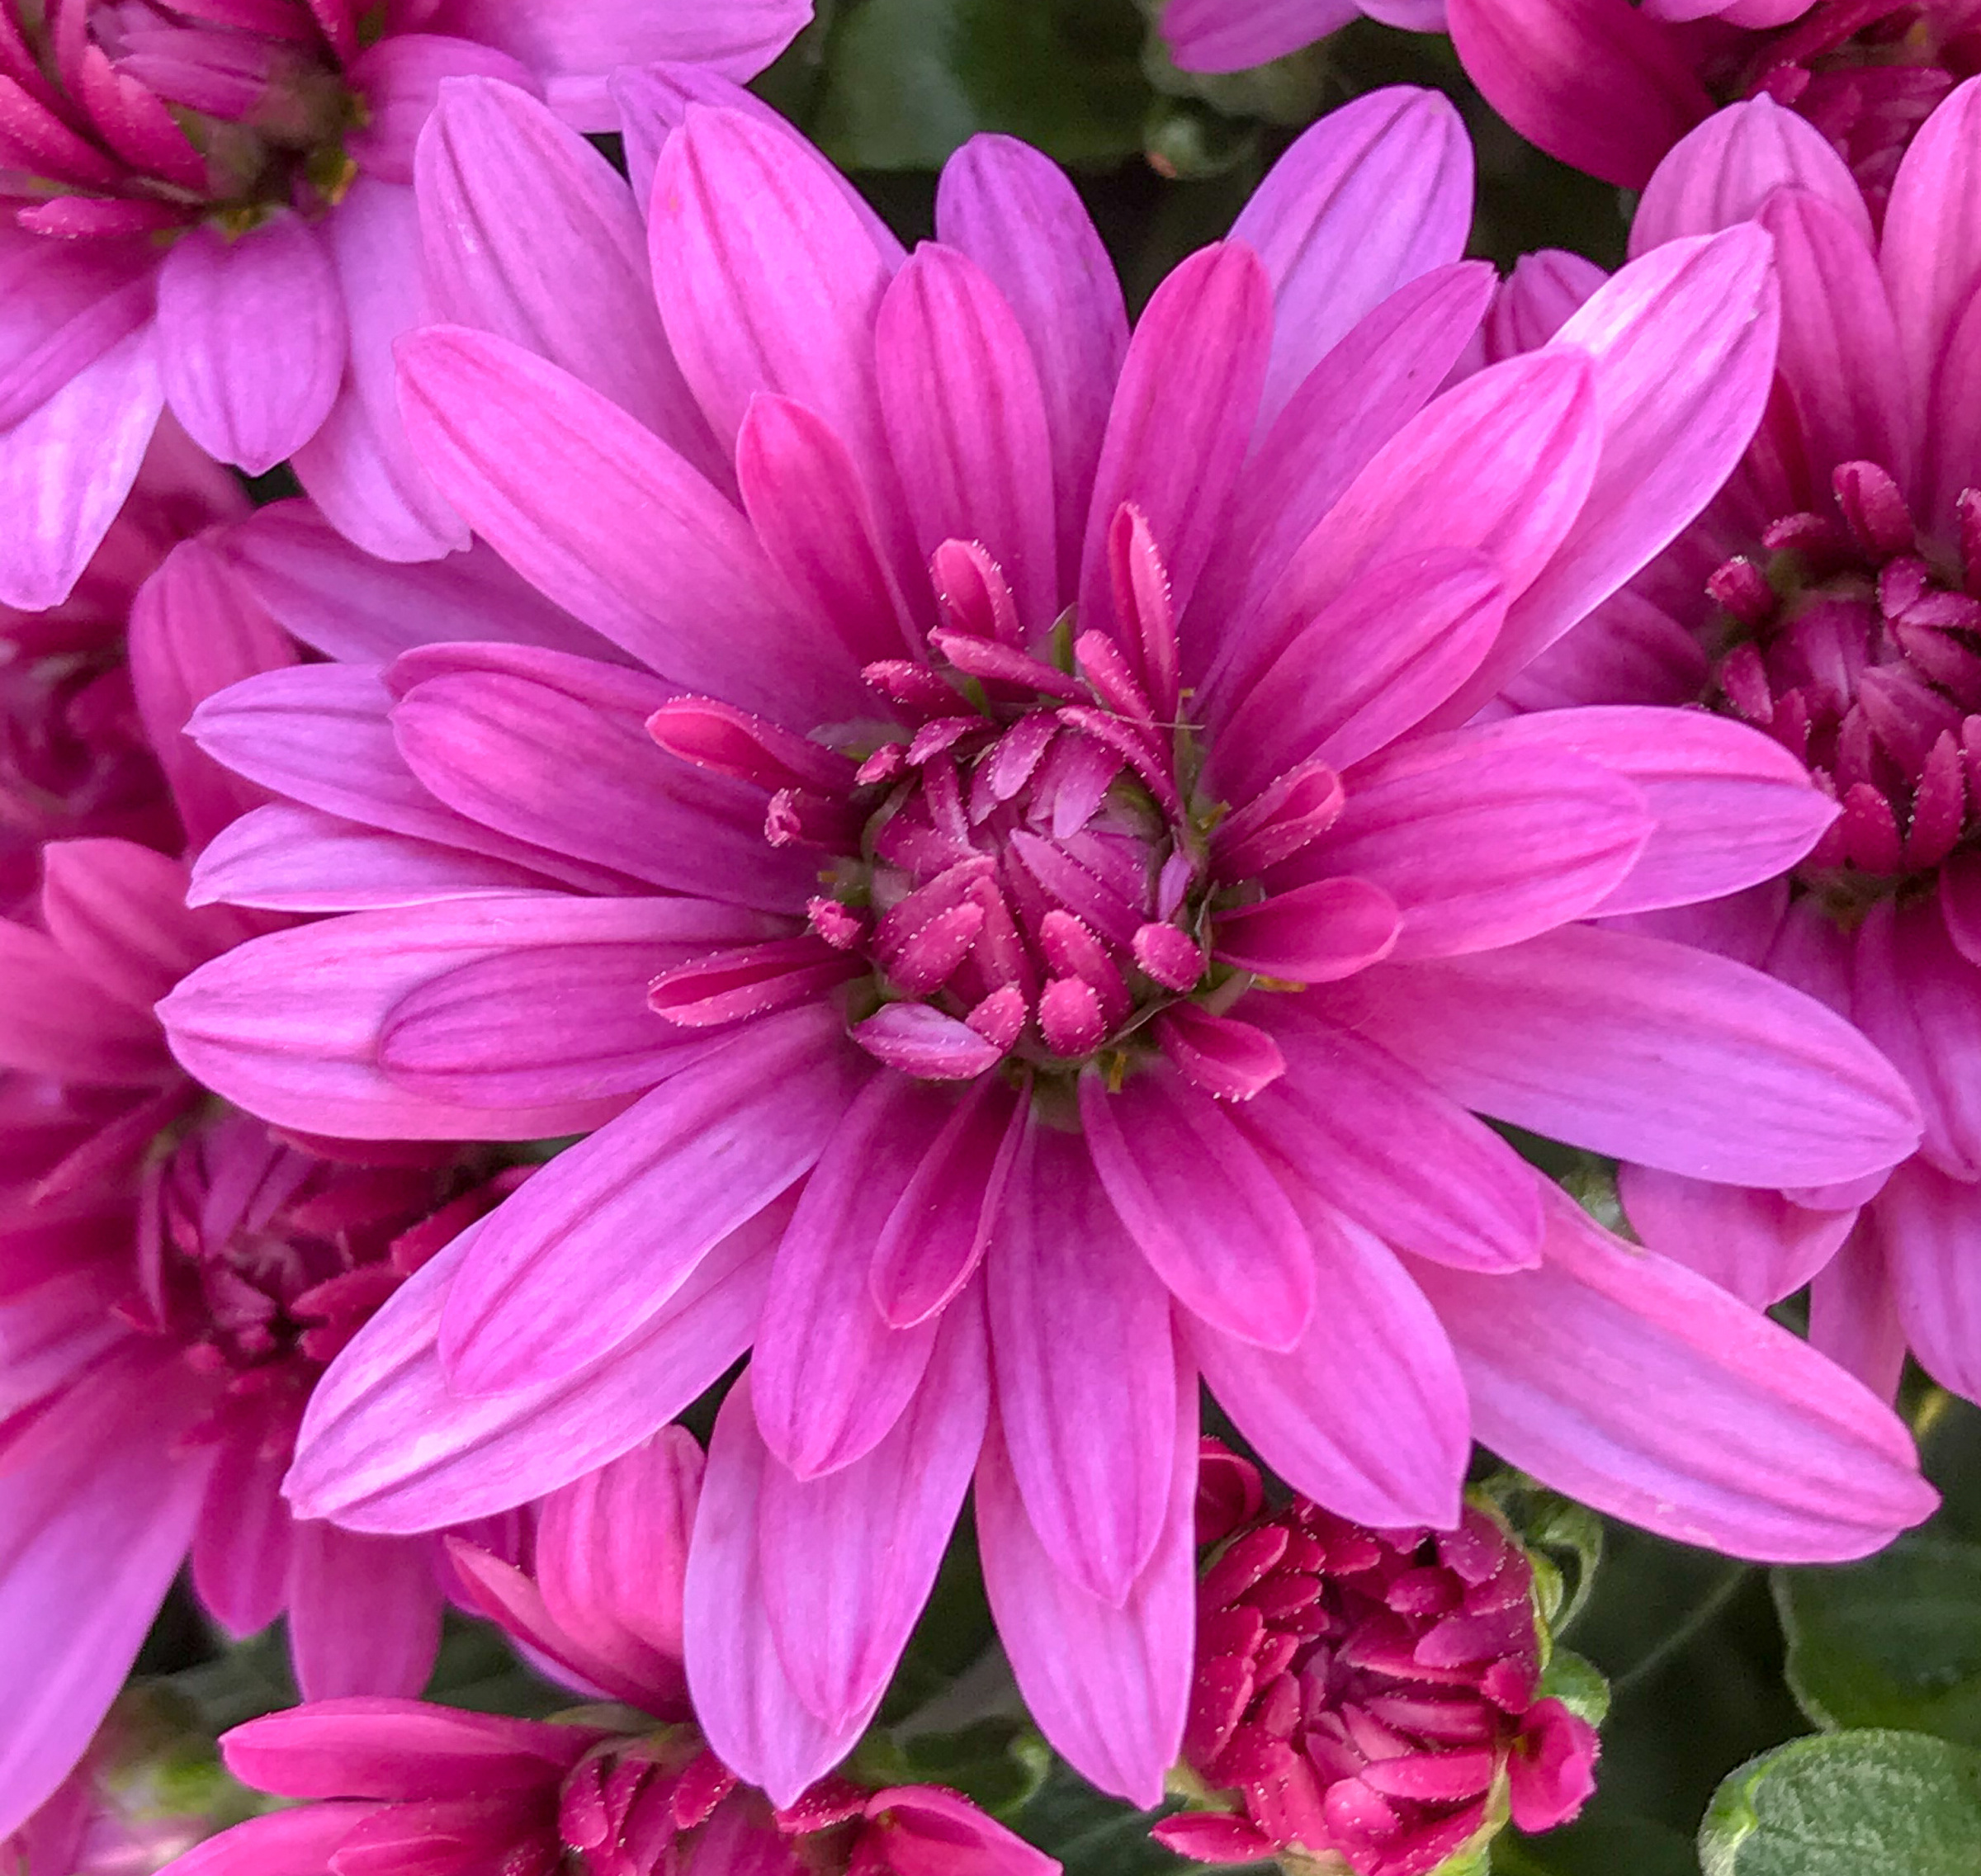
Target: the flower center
pixel 1856 644
pixel 140 116
pixel 1867 74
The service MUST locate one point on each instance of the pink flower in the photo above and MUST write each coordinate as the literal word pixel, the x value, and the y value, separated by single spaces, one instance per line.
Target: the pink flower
pixel 74 760
pixel 1610 86
pixel 1832 598
pixel 174 1275
pixel 926 950
pixel 1231 35
pixel 209 209
pixel 1369 1695
pixel 606 1791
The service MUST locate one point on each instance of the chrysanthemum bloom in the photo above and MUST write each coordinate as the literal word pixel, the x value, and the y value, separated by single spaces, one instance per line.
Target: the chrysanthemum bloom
pixel 943 938
pixel 207 207
pixel 74 760
pixel 1611 85
pixel 1831 598
pixel 1372 1696
pixel 1231 35
pixel 631 1789
pixel 173 1275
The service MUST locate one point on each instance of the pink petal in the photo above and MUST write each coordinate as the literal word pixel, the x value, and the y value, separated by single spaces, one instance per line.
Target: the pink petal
pixel 597 1242
pixel 1854 1316
pixel 1108 1684
pixel 1482 846
pixel 251 340
pixel 288 1843
pixel 315 1066
pixel 1013 212
pixel 656 559
pixel 62 306
pixel 240 1551
pixel 1182 418
pixel 830 1375
pixel 1376 194
pixel 1640 1388
pixel 1366 1413
pixel 484 1453
pixel 118 912
pixel 527 232
pixel 1759 1245
pixel 965 419
pixel 402 78
pixel 1315 933
pixel 848 1560
pixel 1596 83
pixel 93 1530
pixel 1203 1208
pixel 1080 1337
pixel 1930 1227
pixel 1648 1050
pixel 745 1701
pixel 1361 1127
pixel 1214 36
pixel 56 1020
pixel 359 468
pixel 66 467
pixel 1724 171
pixel 364 1613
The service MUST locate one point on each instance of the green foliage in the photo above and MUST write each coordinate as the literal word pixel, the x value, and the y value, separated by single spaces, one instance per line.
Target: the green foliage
pixel 1616 1846
pixel 1094 1835
pixel 1894 1640
pixel 1849 1804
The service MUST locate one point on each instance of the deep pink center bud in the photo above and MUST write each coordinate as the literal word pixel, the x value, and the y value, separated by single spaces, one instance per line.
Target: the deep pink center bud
pixel 1867 74
pixel 624 1808
pixel 136 116
pixel 1371 1695
pixel 1857 645
pixel 262 1261
pixel 1020 868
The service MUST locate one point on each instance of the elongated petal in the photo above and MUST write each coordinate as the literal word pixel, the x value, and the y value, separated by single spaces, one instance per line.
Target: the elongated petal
pixel 1683 345
pixel 1362 1128
pixel 753 1717
pixel 847 1561
pixel 656 559
pixel 611 1557
pixel 1109 1685
pixel 56 1020
pixel 93 1530
pixel 251 340
pixel 1314 933
pixel 967 422
pixel 1730 807
pixel 1649 1051
pixel 1201 1205
pixel 1724 171
pixel 1759 1245
pixel 1391 1448
pixel 1642 1389
pixel 1598 83
pixel 240 1553
pixel 66 467
pixel 527 232
pixel 364 1613
pixel 289 1843
pixel 1182 418
pixel 1214 36
pixel 238 1026
pixel 1931 252
pixel 599 1239
pixel 484 1453
pixel 1377 193
pixel 118 911
pixel 1015 214
pixel 1929 1226
pixel 1480 845
pixel 831 1375
pixel 1080 1337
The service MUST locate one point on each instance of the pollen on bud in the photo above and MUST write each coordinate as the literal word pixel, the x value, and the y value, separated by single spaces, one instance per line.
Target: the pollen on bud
pixel 1370 1696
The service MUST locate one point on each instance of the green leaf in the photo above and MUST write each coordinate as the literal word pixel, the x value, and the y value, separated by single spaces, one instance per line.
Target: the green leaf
pixel 1849 1804
pixel 1094 1835
pixel 1894 1640
pixel 906 82
pixel 1000 1763
pixel 1578 1684
pixel 1615 1847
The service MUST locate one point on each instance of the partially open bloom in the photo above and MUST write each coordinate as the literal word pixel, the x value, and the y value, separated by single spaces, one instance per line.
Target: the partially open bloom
pixel 1611 85
pixel 174 1275
pixel 1370 1695
pixel 1230 35
pixel 1013 898
pixel 208 207
pixel 629 1789
pixel 1831 598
